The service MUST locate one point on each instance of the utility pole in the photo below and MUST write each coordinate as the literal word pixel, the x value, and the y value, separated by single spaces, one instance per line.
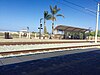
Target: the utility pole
pixel 40 28
pixel 97 22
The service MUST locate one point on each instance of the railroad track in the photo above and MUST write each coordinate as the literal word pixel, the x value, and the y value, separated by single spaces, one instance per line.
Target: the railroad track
pixel 45 49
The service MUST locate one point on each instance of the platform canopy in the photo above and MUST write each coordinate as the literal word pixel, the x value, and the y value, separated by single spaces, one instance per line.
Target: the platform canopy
pixel 69 28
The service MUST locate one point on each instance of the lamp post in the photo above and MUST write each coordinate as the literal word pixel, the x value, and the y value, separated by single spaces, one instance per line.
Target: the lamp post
pixel 97 21
pixel 40 28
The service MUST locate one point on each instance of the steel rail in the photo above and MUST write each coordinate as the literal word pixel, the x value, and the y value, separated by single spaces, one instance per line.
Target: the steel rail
pixel 46 42
pixel 45 49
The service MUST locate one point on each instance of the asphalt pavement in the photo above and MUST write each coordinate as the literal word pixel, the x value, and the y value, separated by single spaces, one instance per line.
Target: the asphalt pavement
pixel 84 63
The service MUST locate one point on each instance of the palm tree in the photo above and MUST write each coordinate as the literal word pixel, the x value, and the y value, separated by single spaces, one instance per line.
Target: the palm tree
pixel 54 12
pixel 47 16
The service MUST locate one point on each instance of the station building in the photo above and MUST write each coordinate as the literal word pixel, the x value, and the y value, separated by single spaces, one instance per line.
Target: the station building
pixel 68 32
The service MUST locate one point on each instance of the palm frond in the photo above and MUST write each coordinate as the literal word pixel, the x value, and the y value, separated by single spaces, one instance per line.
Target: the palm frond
pixel 55 7
pixel 45 14
pixel 51 9
pixel 54 10
pixel 60 15
pixel 58 9
pixel 49 16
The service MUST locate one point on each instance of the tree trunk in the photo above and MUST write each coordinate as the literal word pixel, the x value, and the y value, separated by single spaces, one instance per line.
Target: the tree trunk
pixel 53 27
pixel 45 30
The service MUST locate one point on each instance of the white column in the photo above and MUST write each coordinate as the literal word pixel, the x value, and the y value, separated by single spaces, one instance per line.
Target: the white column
pixel 29 35
pixel 35 35
pixel 19 34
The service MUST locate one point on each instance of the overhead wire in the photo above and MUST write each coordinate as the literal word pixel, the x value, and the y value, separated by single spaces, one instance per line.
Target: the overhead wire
pixel 75 8
pixel 95 1
pixel 94 12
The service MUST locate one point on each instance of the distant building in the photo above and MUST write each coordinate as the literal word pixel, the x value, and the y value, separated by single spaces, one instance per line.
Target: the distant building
pixel 24 33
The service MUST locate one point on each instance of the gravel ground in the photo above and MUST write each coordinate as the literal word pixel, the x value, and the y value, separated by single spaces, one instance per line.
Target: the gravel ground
pixel 36 40
pixel 39 46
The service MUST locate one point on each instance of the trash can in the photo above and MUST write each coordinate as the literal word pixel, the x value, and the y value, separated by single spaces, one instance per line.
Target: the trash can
pixel 6 35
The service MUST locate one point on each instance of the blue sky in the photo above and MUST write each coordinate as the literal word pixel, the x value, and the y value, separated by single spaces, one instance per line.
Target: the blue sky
pixel 20 14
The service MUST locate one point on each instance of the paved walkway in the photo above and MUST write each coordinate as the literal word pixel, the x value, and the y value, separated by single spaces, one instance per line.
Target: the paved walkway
pixel 86 63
